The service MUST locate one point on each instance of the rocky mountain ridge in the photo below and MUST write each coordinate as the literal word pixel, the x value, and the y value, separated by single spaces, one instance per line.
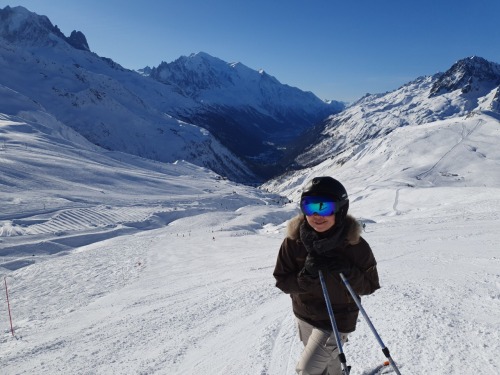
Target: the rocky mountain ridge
pixel 122 110
pixel 241 123
pixel 250 111
pixel 471 84
pixel 22 26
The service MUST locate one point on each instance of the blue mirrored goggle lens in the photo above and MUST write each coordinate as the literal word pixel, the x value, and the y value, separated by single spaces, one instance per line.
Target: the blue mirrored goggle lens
pixel 311 205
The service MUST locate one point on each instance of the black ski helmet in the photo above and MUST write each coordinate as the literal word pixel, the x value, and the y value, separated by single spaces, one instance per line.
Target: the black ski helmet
pixel 327 186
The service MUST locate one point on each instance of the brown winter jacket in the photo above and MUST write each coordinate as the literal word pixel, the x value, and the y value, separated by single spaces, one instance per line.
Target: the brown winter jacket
pixel 306 293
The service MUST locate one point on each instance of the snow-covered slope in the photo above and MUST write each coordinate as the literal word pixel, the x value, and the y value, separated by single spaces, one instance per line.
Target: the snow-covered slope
pixel 216 83
pixel 248 112
pixel 472 84
pixel 60 190
pixel 115 264
pixel 256 115
pixel 458 152
pixel 110 106
pixel 434 131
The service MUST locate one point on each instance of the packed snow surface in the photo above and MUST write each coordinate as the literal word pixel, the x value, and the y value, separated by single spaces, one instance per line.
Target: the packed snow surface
pixel 118 265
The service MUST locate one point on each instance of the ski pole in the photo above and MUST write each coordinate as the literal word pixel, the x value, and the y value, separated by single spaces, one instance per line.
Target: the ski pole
pixel 345 369
pixel 385 350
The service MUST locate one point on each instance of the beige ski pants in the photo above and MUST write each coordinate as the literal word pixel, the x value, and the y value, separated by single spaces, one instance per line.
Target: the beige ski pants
pixel 320 354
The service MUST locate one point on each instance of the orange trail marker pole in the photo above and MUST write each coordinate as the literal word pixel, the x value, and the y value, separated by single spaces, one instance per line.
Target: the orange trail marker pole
pixel 8 305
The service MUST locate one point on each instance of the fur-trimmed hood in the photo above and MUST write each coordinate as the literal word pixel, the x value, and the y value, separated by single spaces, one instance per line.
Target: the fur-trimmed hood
pixel 353 235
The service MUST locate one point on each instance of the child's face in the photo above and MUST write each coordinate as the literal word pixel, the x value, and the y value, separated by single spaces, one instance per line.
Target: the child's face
pixel 320 223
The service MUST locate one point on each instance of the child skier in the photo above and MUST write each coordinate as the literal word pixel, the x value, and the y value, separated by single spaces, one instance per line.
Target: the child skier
pixel 324 238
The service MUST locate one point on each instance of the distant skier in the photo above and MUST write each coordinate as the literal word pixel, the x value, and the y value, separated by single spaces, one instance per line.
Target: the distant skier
pixel 324 238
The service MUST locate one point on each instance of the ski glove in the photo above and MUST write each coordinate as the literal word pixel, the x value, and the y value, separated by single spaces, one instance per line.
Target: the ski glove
pixel 331 265
pixel 306 282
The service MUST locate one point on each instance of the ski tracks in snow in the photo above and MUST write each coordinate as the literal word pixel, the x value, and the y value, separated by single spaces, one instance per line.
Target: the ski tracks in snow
pixel 464 135
pixel 282 346
pixel 189 298
pixel 224 304
pixel 77 219
pixel 67 318
pixel 396 202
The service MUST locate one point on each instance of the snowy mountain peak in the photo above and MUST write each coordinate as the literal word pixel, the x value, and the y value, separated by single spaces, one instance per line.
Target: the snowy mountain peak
pixel 111 107
pixel 469 87
pixel 201 71
pixel 246 111
pixel 466 75
pixel 22 26
pixel 251 111
pixel 193 73
pixel 201 76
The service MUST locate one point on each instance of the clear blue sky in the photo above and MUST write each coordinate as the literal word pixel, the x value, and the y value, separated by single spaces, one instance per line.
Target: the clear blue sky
pixel 336 49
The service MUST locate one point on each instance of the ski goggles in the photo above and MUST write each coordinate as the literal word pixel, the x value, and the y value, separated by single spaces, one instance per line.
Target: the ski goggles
pixel 318 205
